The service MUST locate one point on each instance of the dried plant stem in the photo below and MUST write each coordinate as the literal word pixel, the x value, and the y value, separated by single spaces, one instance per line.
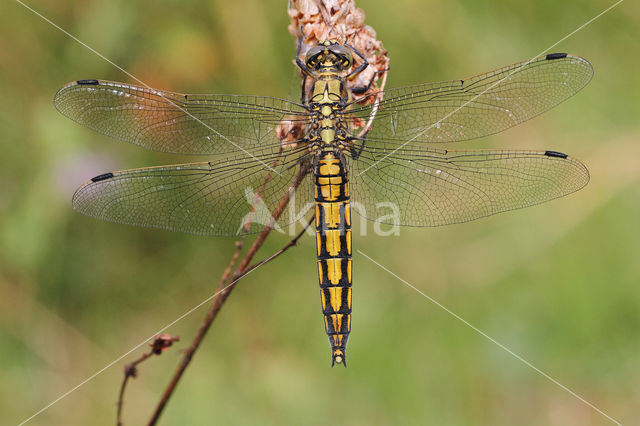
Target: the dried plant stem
pixel 127 375
pixel 160 343
pixel 226 286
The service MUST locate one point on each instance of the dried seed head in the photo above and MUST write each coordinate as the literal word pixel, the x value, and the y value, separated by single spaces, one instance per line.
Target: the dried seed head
pixel 290 130
pixel 162 342
pixel 340 20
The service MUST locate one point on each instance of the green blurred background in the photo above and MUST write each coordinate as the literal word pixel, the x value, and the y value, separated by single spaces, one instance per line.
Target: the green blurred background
pixel 558 283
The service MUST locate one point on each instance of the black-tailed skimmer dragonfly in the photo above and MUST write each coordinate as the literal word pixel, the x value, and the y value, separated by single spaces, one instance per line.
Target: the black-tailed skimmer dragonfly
pixel 336 149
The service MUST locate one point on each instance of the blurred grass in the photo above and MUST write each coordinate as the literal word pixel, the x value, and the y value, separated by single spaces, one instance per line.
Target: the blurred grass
pixel 558 283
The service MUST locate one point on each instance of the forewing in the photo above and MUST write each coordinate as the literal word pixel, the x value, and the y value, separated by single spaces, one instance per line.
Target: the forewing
pixel 475 107
pixel 440 187
pixel 176 122
pixel 208 198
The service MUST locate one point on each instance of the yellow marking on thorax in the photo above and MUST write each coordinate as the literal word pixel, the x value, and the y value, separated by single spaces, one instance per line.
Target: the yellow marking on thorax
pixel 328 135
pixel 326 122
pixel 333 87
pixel 327 91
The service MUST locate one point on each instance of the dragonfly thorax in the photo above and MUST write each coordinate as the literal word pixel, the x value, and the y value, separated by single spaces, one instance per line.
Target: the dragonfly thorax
pixel 327 124
pixel 327 102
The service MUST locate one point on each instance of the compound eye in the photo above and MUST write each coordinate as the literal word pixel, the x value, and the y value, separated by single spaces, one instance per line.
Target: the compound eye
pixel 311 59
pixel 343 54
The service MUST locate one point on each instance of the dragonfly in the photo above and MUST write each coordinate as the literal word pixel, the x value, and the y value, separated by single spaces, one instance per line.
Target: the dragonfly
pixel 326 151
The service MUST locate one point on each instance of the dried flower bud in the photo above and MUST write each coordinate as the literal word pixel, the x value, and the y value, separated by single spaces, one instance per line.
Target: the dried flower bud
pixel 340 20
pixel 162 342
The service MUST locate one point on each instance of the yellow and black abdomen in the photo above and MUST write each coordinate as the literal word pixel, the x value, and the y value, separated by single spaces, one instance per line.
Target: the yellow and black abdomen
pixel 333 241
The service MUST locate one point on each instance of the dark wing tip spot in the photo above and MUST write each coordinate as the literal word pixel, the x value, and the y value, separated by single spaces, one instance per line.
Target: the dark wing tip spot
pixel 552 56
pixel 103 176
pixel 91 82
pixel 555 154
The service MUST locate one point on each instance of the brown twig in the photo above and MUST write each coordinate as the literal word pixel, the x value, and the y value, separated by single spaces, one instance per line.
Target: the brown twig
pixel 224 290
pixel 160 343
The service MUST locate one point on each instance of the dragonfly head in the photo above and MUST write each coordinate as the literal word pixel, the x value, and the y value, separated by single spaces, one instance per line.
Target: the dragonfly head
pixel 329 55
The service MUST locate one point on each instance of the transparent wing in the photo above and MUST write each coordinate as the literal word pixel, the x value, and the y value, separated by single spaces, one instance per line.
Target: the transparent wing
pixel 176 122
pixel 440 187
pixel 475 107
pixel 208 198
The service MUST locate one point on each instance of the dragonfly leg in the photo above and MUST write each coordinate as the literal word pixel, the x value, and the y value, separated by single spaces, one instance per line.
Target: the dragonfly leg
pixel 355 152
pixel 362 66
pixel 303 93
pixel 363 89
pixel 305 69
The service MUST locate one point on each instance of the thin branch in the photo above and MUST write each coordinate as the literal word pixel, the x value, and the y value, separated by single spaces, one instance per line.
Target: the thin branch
pixel 224 290
pixel 158 346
